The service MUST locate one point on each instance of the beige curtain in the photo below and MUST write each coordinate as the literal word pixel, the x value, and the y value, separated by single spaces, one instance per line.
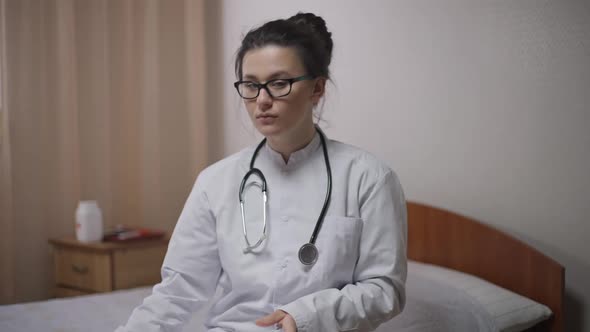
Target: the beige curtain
pixel 104 100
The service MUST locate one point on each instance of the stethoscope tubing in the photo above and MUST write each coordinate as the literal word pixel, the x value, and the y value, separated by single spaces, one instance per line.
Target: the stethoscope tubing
pixel 320 220
pixel 308 253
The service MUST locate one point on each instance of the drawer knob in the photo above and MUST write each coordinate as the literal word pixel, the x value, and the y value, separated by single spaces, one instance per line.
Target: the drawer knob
pixel 79 269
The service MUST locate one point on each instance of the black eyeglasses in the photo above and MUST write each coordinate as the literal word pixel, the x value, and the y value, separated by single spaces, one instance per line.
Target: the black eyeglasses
pixel 275 88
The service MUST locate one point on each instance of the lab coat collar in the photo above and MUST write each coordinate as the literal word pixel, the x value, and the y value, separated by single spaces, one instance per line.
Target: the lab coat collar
pixel 296 157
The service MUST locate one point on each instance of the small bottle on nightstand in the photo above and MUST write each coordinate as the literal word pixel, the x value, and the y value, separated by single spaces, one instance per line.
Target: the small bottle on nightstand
pixel 89 224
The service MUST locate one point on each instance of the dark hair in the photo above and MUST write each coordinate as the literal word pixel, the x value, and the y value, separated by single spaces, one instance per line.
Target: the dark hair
pixel 305 32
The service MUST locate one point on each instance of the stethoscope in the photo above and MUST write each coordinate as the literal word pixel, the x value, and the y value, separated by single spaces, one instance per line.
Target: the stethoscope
pixel 308 253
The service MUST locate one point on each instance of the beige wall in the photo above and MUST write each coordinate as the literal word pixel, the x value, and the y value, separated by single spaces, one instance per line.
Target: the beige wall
pixel 482 107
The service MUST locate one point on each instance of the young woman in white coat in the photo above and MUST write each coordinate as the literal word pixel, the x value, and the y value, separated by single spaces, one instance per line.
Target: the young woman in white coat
pixel 298 233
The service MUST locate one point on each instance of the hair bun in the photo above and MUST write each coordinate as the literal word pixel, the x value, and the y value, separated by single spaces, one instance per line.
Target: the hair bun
pixel 317 26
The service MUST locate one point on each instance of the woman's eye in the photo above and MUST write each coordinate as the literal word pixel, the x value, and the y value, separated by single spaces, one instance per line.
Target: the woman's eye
pixel 279 84
pixel 250 85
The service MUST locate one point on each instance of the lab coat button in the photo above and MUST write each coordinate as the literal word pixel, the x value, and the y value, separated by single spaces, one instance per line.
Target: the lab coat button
pixel 285 218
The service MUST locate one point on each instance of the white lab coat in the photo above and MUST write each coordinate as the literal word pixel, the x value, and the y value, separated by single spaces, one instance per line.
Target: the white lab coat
pixel 358 281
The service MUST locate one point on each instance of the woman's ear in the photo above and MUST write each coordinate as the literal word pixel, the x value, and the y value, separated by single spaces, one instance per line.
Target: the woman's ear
pixel 318 90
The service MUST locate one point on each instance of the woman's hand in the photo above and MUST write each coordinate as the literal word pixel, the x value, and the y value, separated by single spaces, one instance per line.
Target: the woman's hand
pixel 281 319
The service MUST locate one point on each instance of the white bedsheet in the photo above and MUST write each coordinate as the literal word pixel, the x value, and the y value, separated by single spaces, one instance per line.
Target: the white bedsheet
pixel 430 307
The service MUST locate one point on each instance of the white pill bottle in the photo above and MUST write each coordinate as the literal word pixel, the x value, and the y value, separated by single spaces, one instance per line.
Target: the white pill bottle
pixel 89 224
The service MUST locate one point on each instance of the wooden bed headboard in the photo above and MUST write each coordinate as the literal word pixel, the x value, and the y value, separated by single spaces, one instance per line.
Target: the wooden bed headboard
pixel 447 239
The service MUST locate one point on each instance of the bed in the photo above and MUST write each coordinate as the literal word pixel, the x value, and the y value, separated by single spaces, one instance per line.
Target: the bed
pixel 447 239
pixel 462 276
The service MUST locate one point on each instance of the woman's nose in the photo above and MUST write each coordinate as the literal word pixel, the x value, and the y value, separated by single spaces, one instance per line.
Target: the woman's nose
pixel 264 98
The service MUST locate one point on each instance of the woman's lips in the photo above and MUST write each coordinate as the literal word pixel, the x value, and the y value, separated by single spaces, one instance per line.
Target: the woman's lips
pixel 266 119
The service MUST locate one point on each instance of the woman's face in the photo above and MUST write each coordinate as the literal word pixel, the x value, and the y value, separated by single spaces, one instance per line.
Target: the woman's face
pixel 286 117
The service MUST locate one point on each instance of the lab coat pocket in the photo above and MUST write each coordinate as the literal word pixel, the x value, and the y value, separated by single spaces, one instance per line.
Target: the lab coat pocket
pixel 338 247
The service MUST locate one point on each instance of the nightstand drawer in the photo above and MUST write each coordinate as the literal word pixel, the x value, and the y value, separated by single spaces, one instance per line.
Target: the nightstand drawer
pixel 85 270
pixel 138 267
pixel 106 266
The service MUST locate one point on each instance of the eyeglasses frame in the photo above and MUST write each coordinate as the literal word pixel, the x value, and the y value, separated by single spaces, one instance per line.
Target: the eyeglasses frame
pixel 264 86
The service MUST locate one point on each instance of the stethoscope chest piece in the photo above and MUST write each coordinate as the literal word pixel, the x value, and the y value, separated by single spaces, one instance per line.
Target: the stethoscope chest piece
pixel 308 254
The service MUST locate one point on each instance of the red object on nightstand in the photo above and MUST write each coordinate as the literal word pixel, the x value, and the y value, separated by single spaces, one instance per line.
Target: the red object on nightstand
pixel 123 234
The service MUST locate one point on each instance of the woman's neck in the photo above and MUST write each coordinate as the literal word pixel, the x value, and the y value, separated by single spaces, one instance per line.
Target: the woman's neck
pixel 286 145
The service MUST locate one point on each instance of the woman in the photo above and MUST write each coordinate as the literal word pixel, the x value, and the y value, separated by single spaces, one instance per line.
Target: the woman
pixel 350 276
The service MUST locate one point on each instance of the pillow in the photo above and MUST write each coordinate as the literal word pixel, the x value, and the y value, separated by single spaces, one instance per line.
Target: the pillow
pixel 511 312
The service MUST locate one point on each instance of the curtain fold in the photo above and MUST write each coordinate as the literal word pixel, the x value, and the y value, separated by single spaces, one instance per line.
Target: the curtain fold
pixel 104 100
pixel 6 260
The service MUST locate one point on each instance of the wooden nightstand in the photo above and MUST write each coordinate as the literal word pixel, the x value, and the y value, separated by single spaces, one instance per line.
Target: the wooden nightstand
pixel 84 268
